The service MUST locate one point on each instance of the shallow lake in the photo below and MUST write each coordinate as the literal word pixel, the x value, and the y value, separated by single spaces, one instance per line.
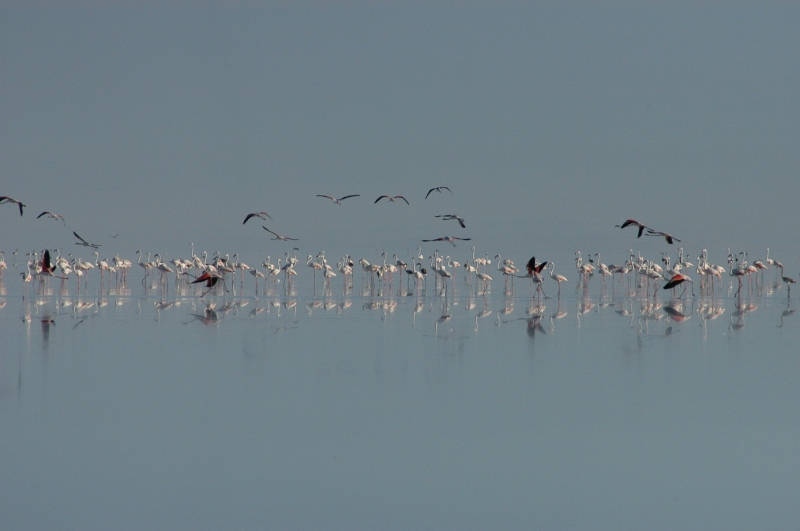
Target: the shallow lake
pixel 396 408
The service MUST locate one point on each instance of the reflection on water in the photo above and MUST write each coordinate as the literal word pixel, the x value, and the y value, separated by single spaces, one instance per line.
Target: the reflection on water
pixel 377 404
pixel 210 305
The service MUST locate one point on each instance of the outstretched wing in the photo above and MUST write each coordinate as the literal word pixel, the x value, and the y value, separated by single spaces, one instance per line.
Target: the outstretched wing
pixel 403 198
pixel 630 222
pixel 429 192
pixel 348 196
pixel 381 197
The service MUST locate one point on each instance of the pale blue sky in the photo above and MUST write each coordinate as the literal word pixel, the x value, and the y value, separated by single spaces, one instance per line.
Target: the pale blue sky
pixel 551 124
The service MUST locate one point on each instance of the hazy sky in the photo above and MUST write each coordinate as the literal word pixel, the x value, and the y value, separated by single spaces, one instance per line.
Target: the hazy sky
pixel 551 124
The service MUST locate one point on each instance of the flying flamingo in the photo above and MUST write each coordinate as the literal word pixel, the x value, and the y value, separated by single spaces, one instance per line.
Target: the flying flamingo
pixel 635 223
pixel 448 217
pixel 52 216
pixel 338 201
pixel 438 189
pixel 448 239
pixel 84 242
pixel 6 199
pixel 670 238
pixel 392 198
pixel 278 236
pixel 256 215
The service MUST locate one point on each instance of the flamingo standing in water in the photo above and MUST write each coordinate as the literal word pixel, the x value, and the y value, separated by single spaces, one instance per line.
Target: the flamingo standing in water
pixel 789 281
pixel 534 273
pixel 210 279
pixel 557 278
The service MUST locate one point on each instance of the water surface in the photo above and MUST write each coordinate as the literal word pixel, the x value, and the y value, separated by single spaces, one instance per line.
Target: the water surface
pixel 129 408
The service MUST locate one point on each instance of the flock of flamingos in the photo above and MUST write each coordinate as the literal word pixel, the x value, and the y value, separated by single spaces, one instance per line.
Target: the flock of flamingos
pixel 214 275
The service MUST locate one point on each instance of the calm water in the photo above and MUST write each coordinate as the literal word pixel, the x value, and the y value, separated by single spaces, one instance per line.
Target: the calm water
pixel 132 409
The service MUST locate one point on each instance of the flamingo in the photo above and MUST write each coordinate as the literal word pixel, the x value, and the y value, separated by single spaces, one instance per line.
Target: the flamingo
pixel 345 270
pixel 438 189
pixel 46 267
pixel 670 238
pixel 557 278
pixel 278 236
pixel 737 272
pixel 257 274
pixel 448 217
pixel 392 198
pixel 210 280
pixel 679 279
pixel 259 215
pixel 442 272
pixel 328 274
pixel 635 223
pixel 84 242
pixel 6 199
pixel 314 266
pixel 534 270
pixel 507 269
pixel 52 216
pixel 27 277
pixel 448 239
pixel 789 281
pixel 338 201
